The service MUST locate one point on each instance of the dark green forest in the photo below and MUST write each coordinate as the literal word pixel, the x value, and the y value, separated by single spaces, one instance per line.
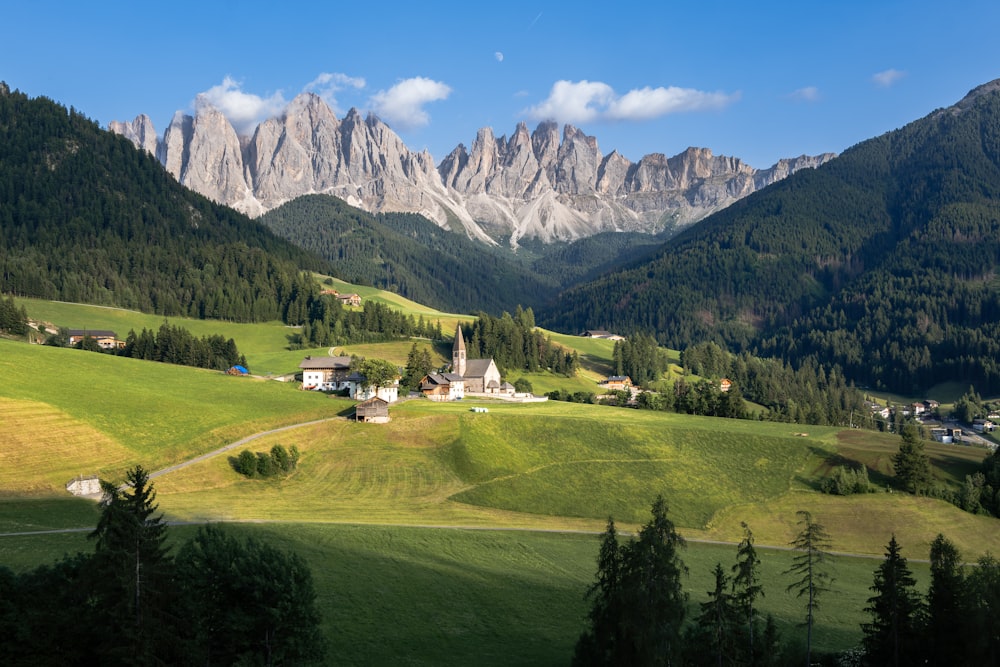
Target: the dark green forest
pixel 86 217
pixel 882 262
pixel 407 254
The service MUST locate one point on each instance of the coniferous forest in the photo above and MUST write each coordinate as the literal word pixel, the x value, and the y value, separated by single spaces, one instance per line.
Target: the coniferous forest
pixel 86 217
pixel 881 262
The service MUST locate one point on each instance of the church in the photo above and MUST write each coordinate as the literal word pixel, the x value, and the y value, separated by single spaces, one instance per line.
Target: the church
pixel 481 375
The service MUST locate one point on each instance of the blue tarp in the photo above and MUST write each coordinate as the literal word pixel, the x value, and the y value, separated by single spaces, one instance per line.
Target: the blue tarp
pixel 242 370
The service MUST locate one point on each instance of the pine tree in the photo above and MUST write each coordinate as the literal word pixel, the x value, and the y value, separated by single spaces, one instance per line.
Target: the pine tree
pixel 132 571
pixel 912 467
pixel 719 618
pixel 947 604
pixel 600 643
pixel 746 586
pixel 892 636
pixel 810 566
pixel 655 603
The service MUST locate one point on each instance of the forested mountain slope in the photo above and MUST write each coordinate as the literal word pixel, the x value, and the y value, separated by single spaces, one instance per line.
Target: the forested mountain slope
pixel 85 216
pixel 408 254
pixel 883 261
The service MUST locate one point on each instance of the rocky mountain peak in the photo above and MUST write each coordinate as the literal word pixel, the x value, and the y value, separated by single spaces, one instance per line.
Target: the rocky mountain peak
pixel 533 184
pixel 140 132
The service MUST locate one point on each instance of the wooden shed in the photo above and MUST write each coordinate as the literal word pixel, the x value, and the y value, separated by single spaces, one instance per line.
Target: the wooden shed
pixel 374 410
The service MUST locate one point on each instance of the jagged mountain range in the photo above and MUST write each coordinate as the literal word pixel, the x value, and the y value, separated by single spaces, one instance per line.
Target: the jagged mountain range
pixel 531 185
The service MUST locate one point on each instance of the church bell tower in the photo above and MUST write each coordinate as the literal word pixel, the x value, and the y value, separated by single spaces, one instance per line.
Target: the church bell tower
pixel 458 353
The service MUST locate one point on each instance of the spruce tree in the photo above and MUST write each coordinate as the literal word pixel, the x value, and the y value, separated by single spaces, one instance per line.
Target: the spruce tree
pixel 947 628
pixel 746 586
pixel 912 467
pixel 810 568
pixel 892 636
pixel 132 572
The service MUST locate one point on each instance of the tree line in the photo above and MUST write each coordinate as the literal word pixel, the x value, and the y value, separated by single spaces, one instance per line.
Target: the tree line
pixel 640 614
pixel 513 342
pixel 326 321
pixel 13 320
pixel 219 599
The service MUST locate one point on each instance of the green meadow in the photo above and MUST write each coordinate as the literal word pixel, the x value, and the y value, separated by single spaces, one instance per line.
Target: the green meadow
pixel 446 536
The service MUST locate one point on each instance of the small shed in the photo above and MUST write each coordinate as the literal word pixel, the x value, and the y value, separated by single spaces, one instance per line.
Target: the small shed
pixel 374 410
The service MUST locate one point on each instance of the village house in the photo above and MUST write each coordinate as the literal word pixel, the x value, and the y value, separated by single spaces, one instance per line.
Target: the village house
pixel 373 411
pixel 324 373
pixel 982 425
pixel 617 383
pixel 349 299
pixel 355 383
pixel 725 384
pixel 106 340
pixel 346 299
pixel 600 333
pixel 443 386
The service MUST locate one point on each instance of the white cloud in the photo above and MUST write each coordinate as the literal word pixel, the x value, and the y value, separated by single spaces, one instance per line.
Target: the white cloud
pixel 402 104
pixel 499 56
pixel 583 101
pixel 570 102
pixel 244 110
pixel 807 94
pixel 646 103
pixel 328 84
pixel 887 78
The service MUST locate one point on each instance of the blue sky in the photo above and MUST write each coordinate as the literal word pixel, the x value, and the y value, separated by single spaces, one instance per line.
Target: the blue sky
pixel 759 81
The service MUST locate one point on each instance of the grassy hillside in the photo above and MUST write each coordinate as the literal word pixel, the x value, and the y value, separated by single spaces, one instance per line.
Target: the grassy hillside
pixel 361 505
pixel 67 412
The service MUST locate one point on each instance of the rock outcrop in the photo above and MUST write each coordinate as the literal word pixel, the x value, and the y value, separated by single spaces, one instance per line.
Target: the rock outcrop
pixel 532 185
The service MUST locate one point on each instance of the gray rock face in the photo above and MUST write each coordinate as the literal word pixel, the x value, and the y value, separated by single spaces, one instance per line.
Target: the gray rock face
pixel 532 185
pixel 140 132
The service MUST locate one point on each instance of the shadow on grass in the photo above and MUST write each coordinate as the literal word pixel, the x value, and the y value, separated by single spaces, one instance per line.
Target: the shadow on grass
pixel 835 460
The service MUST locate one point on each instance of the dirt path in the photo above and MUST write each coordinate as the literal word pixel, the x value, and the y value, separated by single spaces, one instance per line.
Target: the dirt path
pixel 234 445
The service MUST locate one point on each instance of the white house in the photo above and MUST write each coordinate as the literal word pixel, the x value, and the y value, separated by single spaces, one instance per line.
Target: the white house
pixel 324 373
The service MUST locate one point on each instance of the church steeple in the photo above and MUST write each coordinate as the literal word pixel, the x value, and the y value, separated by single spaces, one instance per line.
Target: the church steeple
pixel 458 352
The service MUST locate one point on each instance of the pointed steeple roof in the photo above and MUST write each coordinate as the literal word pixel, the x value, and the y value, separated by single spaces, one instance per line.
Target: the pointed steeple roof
pixel 459 341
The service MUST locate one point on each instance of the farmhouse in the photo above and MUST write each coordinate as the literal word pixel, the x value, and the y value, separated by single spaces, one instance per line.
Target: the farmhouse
pixel 324 372
pixel 443 386
pixel 106 340
pixel 355 383
pixel 373 411
pixel 617 383
pixel 600 333
pixel 349 299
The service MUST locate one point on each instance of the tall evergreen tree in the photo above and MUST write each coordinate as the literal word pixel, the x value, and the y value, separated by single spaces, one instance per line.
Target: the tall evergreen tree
pixel 947 627
pixel 132 573
pixel 892 636
pixel 810 569
pixel 912 467
pixel 720 618
pixel 638 603
pixel 655 603
pixel 600 643
pixel 746 586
